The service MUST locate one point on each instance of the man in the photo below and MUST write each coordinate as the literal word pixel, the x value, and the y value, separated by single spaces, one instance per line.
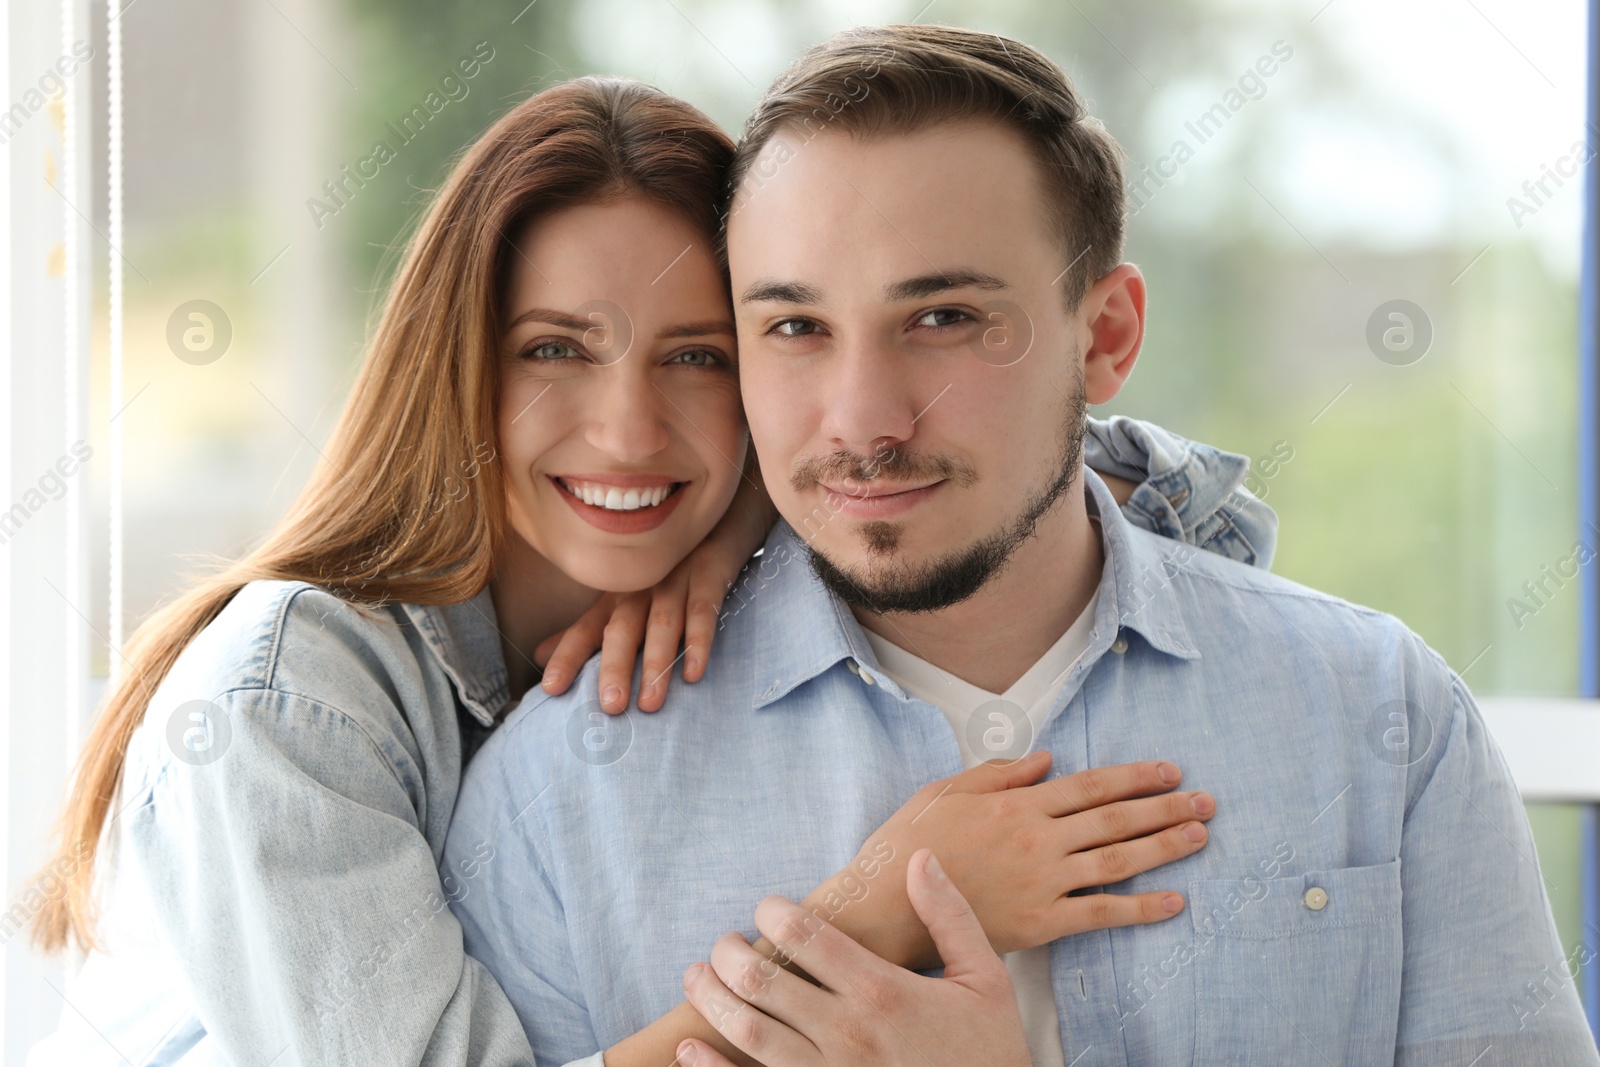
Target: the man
pixel 925 249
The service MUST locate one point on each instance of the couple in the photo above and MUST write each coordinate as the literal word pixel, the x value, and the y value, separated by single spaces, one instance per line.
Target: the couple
pixel 923 244
pixel 944 588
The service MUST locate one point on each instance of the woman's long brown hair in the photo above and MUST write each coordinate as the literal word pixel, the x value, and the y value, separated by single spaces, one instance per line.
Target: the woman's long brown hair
pixel 366 526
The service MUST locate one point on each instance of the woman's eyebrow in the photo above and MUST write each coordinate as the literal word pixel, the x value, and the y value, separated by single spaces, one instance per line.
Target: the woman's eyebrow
pixel 708 328
pixel 564 319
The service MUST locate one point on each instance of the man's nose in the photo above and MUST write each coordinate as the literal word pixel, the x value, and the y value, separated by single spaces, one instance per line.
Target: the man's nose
pixel 871 403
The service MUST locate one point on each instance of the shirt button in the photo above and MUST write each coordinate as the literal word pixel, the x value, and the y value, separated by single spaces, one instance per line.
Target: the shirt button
pixel 866 676
pixel 1316 898
pixel 855 668
pixel 1120 645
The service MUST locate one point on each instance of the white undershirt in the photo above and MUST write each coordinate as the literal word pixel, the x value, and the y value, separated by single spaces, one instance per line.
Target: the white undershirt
pixel 1034 693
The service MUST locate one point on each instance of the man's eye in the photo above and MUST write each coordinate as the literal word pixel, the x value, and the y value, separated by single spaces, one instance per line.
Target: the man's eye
pixel 551 351
pixel 696 357
pixel 942 317
pixel 795 327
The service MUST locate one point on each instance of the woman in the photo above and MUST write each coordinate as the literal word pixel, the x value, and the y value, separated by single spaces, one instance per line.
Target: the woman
pixel 260 809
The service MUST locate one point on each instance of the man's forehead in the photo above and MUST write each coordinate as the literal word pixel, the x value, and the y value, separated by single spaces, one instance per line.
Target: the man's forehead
pixel 897 202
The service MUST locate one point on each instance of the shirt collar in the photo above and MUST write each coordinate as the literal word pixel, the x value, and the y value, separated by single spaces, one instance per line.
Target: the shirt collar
pixel 1137 586
pixel 465 638
pixel 802 629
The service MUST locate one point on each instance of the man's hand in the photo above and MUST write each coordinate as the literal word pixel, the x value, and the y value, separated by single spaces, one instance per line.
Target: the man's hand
pixel 864 1010
pixel 1016 850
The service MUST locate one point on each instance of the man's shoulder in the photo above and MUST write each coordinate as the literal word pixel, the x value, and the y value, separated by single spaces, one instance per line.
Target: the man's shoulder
pixel 545 729
pixel 1222 594
pixel 552 736
pixel 1220 579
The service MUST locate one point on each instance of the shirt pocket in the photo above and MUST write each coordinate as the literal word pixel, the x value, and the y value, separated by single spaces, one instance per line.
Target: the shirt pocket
pixel 1298 970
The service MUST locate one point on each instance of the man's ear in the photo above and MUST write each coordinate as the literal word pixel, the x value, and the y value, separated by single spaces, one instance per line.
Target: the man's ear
pixel 1113 317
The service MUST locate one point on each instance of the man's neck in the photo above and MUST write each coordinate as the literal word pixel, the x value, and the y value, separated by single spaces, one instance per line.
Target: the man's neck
pixel 993 637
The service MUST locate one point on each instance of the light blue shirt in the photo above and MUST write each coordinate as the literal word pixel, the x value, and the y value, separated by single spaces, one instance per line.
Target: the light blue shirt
pixel 1369 895
pixel 272 891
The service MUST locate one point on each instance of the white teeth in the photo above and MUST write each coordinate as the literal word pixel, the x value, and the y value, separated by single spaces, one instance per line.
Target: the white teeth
pixel 615 498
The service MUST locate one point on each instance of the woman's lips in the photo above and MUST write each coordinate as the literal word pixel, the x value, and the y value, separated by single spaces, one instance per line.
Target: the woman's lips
pixel 878 502
pixel 630 493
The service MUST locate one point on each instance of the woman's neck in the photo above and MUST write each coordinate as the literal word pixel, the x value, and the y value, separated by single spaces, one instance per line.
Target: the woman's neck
pixel 532 600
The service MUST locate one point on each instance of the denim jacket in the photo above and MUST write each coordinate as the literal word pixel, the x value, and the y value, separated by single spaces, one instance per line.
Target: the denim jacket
pixel 270 889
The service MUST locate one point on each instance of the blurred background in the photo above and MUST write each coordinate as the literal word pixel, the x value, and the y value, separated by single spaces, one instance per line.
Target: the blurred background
pixel 1394 154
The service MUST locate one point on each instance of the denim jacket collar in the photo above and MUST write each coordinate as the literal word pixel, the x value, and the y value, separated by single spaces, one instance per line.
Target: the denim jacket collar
pixel 465 638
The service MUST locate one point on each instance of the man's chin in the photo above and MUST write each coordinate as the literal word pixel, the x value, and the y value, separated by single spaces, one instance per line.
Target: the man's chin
pixel 904 580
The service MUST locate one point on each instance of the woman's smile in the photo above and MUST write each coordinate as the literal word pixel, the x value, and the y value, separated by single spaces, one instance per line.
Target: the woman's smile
pixel 621 503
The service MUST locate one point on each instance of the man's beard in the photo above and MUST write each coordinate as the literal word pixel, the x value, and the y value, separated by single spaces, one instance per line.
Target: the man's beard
pixel 956 575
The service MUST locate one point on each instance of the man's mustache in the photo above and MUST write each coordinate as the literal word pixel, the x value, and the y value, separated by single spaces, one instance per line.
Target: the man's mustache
pixel 845 469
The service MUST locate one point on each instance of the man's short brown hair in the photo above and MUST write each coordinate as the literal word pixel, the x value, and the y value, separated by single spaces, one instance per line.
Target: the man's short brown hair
pixel 887 80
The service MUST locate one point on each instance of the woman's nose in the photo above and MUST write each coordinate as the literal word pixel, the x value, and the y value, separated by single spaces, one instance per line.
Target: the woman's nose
pixel 629 423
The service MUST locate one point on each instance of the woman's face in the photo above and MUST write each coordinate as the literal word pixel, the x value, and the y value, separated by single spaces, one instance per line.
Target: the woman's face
pixel 619 418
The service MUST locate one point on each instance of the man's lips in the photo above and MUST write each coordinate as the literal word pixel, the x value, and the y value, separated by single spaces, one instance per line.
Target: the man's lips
pixel 876 500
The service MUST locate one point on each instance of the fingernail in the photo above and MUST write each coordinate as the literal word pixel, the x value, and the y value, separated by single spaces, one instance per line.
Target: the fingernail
pixel 1202 804
pixel 1194 831
pixel 934 871
pixel 1173 903
pixel 686 1054
pixel 692 975
pixel 612 696
pixel 691 665
pixel 1168 773
pixel 553 678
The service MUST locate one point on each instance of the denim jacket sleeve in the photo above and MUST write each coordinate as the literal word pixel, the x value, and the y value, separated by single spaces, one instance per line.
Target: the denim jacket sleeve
pixel 294 877
pixel 1187 491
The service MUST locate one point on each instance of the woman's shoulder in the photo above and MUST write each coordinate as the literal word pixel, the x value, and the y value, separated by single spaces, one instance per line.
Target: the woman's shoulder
pixel 283 655
pixel 290 636
pixel 298 669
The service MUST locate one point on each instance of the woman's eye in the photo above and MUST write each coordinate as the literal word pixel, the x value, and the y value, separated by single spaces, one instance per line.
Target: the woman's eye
pixel 942 317
pixel 795 327
pixel 551 351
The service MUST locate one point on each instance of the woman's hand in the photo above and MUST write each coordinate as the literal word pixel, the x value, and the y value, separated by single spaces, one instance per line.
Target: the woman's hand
pixel 862 1010
pixel 1015 850
pixel 682 607
pixel 1121 488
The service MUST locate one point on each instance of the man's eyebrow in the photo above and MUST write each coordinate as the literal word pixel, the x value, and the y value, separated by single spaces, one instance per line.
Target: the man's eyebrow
pixel 941 282
pixel 782 292
pixel 708 328
pixel 564 319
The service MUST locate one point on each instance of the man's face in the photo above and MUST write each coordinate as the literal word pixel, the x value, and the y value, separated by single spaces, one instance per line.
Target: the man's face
pixel 914 384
